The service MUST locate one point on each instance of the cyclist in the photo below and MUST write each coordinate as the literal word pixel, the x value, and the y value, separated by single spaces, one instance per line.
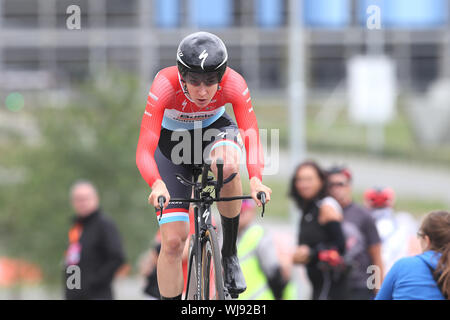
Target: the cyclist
pixel 186 102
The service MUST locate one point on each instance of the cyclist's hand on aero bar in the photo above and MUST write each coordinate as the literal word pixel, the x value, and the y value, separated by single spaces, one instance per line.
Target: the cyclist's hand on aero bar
pixel 257 186
pixel 158 189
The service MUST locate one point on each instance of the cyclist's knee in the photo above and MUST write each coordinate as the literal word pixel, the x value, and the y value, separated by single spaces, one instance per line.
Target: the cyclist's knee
pixel 173 236
pixel 173 245
pixel 230 157
pixel 230 165
pixel 230 168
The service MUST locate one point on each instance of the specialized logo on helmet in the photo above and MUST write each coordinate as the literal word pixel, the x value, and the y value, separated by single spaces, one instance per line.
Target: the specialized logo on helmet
pixel 203 56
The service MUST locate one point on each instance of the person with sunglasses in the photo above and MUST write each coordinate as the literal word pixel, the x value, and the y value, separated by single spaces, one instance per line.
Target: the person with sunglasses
pixel 363 240
pixel 185 123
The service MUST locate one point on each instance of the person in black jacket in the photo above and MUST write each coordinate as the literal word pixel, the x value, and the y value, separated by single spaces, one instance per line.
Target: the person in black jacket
pixel 94 246
pixel 321 243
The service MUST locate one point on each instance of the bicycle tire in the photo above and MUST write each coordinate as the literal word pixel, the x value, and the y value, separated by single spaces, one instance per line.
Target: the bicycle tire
pixel 211 258
pixel 191 287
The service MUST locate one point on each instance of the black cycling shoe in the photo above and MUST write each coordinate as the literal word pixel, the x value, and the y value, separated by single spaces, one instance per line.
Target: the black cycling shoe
pixel 233 277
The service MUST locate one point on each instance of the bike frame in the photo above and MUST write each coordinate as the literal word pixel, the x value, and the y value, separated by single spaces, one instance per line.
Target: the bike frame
pixel 203 222
pixel 203 200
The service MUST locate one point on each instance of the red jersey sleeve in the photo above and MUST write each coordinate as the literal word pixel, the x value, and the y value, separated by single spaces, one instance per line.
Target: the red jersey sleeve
pixel 160 95
pixel 237 92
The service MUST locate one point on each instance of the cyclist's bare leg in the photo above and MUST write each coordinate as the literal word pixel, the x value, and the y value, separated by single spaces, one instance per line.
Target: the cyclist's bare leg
pixel 169 270
pixel 234 279
pixel 230 156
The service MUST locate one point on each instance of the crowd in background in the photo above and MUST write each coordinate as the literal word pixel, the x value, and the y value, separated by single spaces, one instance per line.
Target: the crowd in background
pixel 348 250
pixel 340 242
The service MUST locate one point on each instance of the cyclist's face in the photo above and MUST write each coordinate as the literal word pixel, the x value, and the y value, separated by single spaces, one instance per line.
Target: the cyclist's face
pixel 307 182
pixel 84 200
pixel 201 87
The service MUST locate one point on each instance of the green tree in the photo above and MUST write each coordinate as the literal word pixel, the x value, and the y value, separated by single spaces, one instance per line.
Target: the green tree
pixel 94 137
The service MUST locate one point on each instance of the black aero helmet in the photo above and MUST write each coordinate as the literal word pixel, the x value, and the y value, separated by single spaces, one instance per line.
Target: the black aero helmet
pixel 202 52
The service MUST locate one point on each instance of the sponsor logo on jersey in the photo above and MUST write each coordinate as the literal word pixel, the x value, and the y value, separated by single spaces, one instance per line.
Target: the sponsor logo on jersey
pixel 189 117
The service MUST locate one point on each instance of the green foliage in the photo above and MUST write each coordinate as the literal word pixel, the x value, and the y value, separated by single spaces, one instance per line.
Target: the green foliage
pixel 93 137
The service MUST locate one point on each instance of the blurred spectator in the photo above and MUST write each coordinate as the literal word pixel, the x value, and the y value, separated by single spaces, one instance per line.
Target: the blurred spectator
pixel 266 278
pixel 397 230
pixel 321 239
pixel 94 245
pixel 425 276
pixel 148 269
pixel 363 243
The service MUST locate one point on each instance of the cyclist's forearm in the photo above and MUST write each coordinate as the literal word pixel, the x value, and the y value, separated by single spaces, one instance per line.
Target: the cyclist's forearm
pixel 248 125
pixel 149 170
pixel 159 96
pixel 145 160
pixel 254 154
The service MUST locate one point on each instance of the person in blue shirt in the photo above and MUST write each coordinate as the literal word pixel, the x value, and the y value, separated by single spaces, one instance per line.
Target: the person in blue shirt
pixel 425 276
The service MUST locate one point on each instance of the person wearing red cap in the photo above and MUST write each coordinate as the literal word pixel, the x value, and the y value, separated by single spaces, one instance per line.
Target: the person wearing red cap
pixel 397 229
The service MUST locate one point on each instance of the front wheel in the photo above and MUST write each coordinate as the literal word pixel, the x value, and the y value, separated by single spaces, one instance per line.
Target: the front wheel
pixel 192 275
pixel 212 278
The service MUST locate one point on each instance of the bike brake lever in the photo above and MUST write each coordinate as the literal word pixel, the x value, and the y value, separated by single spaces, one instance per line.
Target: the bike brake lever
pixel 161 200
pixel 262 197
